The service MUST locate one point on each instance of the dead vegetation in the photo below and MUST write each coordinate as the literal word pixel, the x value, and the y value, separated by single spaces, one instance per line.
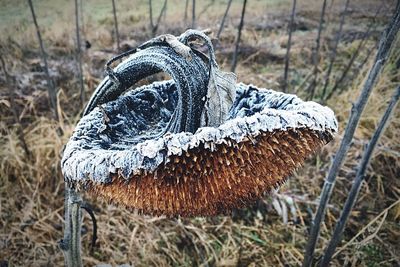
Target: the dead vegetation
pixel 31 187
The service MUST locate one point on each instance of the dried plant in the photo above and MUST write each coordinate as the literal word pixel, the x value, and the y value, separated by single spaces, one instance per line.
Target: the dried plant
pixel 385 46
pixel 334 50
pixel 289 43
pixel 221 27
pixel 315 55
pixel 78 53
pixel 31 225
pixel 186 11
pixel 235 54
pixel 50 85
pixel 116 25
pixel 193 14
pixel 13 105
pixel 360 177
pixel 354 55
pixel 154 27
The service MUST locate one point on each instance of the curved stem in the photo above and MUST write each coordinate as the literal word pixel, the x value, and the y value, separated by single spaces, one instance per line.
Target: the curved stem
pixel 89 210
pixel 189 34
pixel 160 54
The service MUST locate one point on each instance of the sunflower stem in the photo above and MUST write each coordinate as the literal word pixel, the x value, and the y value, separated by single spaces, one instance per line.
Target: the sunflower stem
pixel 71 244
pixel 385 45
pixel 355 189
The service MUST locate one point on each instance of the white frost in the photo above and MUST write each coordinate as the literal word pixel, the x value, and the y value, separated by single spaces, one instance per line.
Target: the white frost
pixel 85 158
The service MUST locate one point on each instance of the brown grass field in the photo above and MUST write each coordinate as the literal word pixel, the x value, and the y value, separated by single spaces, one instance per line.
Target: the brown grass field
pixel 32 187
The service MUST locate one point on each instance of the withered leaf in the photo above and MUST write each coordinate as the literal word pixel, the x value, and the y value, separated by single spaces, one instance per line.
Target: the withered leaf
pixel 220 96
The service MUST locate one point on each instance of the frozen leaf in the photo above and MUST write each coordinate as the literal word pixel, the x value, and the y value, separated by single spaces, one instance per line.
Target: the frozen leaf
pixel 221 85
pixel 220 96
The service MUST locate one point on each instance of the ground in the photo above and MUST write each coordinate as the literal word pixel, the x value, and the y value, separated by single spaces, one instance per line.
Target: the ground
pixel 31 187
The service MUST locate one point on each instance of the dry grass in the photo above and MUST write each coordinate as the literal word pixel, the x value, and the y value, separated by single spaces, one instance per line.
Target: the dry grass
pixel 31 189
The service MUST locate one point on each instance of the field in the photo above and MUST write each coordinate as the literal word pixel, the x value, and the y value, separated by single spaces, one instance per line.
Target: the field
pixel 31 182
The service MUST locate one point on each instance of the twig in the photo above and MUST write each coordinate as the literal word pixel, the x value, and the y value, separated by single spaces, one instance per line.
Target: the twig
pixel 163 9
pixel 151 15
pixel 355 188
pixel 289 43
pixel 190 236
pixel 204 10
pixel 50 85
pixel 315 57
pixel 251 57
pixel 334 51
pixel 186 9
pixel 382 148
pixel 354 56
pixel 116 25
pixel 305 80
pixel 360 66
pixel 20 132
pixel 165 13
pixel 329 15
pixel 82 21
pixel 89 210
pixel 221 27
pixel 193 14
pixel 234 59
pixel 385 45
pixel 382 214
pixel 389 249
pixel 78 53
